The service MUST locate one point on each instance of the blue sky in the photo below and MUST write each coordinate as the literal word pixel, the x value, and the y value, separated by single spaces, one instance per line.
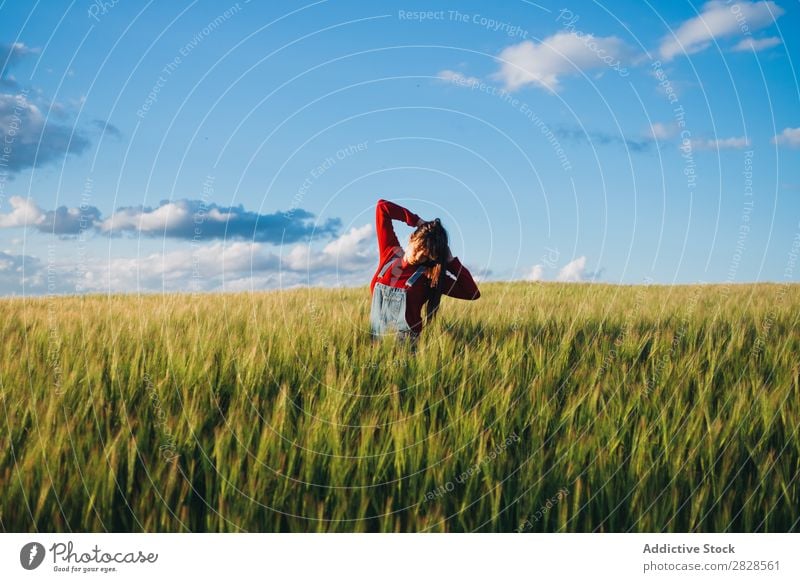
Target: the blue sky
pixel 230 146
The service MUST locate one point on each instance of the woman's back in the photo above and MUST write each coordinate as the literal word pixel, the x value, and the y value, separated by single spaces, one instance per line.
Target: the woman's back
pixel 400 288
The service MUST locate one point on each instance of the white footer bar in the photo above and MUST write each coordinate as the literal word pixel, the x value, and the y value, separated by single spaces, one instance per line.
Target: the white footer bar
pixel 354 557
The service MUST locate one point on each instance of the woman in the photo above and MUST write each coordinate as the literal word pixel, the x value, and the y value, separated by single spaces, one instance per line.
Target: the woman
pixel 419 275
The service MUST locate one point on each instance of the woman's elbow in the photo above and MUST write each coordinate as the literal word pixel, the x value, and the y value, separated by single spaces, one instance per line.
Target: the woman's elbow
pixel 464 294
pixel 470 294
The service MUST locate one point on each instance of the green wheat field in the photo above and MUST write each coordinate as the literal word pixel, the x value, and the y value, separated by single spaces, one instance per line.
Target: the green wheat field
pixel 540 407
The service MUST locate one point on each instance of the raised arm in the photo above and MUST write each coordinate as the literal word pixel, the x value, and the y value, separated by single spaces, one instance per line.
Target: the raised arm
pixel 385 212
pixel 458 281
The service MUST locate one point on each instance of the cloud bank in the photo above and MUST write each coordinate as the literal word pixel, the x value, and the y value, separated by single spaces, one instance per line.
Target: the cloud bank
pixel 180 219
pixel 214 266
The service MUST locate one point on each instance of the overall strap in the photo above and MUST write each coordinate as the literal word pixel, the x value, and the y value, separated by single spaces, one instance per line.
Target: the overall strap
pixel 388 264
pixel 413 278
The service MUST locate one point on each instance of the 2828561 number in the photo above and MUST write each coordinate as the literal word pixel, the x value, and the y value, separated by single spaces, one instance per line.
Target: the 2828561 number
pixel 755 565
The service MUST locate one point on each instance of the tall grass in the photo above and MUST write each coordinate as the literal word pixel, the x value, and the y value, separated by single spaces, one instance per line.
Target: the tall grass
pixel 540 407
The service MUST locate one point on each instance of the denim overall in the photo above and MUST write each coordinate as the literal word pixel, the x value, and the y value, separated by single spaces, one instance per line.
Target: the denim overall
pixel 388 313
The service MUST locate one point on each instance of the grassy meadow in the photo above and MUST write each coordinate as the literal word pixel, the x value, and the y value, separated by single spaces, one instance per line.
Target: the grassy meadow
pixel 540 407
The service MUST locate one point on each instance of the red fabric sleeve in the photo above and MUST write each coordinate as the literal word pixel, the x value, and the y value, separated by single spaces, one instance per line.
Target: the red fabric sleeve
pixel 463 287
pixel 385 212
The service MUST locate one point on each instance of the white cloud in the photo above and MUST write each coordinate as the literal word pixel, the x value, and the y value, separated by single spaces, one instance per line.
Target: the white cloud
pixel 61 221
pixel 458 78
pixel 662 130
pixel 573 271
pixel 536 273
pixel 718 19
pixel 728 143
pixel 788 137
pixel 165 217
pixel 564 53
pixel 757 44
pixel 352 251
pixel 24 212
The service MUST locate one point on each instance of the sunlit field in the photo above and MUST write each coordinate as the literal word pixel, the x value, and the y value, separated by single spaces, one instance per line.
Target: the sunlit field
pixel 540 407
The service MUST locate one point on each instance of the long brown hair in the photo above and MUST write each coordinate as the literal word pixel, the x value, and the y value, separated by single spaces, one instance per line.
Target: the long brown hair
pixel 433 244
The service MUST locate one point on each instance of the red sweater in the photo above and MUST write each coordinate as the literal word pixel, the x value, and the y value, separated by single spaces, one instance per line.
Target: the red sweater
pixel 458 281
